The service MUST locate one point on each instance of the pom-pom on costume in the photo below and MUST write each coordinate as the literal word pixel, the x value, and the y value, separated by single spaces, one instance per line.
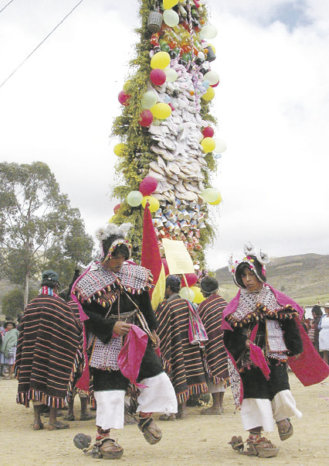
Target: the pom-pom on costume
pixel 262 334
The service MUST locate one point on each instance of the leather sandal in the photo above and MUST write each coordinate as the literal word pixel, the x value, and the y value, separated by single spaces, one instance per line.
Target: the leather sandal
pixel 285 429
pixel 151 431
pixel 262 447
pixel 109 448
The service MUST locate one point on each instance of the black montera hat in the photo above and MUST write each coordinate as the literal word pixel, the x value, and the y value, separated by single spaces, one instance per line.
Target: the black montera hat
pixel 49 278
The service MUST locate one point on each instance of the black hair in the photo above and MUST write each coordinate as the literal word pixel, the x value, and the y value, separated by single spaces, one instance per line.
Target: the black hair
pixel 240 268
pixel 9 322
pixel 173 282
pixel 208 286
pixel 317 310
pixel 49 283
pixel 120 248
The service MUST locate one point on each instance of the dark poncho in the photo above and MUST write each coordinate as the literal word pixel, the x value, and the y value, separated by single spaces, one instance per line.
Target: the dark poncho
pixel 47 346
pixel 183 361
pixel 211 311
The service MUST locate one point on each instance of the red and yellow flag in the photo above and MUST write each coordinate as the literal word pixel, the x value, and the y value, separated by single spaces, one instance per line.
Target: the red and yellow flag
pixel 151 259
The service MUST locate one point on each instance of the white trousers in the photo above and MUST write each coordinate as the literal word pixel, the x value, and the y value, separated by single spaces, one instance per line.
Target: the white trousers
pixel 158 396
pixel 257 412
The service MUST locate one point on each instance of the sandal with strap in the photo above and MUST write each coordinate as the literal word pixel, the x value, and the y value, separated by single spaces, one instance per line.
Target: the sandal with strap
pixel 108 449
pixel 262 447
pixel 151 431
pixel 285 429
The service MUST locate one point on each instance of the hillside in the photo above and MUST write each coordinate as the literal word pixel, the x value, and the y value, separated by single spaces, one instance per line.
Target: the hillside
pixel 305 278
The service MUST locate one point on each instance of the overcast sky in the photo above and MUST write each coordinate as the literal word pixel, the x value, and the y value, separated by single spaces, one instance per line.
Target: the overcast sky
pixel 272 108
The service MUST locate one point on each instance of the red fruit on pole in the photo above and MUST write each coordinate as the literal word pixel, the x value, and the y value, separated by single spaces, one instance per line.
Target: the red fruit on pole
pixel 158 77
pixel 148 185
pixel 146 118
pixel 208 132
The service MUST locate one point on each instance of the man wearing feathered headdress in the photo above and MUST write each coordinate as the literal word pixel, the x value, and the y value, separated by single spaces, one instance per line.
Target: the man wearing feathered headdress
pixel 120 329
pixel 262 334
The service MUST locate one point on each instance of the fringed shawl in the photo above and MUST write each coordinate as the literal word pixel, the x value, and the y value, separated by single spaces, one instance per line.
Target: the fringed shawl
pixel 183 361
pixel 210 312
pixel 103 285
pixel 46 351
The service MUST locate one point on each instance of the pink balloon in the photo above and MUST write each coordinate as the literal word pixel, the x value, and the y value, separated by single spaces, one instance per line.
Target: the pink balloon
pixel 148 185
pixel 191 279
pixel 116 208
pixel 158 77
pixel 208 132
pixel 146 118
pixel 123 98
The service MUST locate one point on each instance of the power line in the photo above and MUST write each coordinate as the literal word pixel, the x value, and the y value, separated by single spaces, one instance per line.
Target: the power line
pixel 4 7
pixel 40 43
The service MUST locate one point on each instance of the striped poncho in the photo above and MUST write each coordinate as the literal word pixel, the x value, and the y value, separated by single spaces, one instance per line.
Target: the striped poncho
pixel 211 311
pixel 47 346
pixel 183 361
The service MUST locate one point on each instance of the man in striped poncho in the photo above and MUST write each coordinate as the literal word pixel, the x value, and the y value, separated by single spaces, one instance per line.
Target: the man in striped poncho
pixel 182 360
pixel 47 345
pixel 210 312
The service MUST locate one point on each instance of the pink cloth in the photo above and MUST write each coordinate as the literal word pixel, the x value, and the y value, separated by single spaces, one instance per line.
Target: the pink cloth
pixel 309 367
pixel 258 358
pixel 131 354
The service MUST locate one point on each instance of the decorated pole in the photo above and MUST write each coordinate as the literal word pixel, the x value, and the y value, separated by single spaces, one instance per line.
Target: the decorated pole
pixel 167 149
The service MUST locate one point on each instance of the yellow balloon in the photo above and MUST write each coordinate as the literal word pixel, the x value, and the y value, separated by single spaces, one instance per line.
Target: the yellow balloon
pixel 208 145
pixel 154 204
pixel 119 149
pixel 127 85
pixel 167 4
pixel 218 201
pixel 161 111
pixel 209 95
pixel 198 296
pixel 160 60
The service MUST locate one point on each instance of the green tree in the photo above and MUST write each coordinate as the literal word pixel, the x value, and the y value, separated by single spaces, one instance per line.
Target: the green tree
pixel 39 229
pixel 13 302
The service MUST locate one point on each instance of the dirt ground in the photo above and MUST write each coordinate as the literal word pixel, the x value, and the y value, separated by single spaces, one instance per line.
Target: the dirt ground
pixel 201 440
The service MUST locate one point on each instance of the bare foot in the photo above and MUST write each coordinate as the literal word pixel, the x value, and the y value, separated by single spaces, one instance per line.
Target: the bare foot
pixel 214 410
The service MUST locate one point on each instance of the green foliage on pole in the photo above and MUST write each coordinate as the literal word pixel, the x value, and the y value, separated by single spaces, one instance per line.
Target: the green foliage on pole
pixel 133 164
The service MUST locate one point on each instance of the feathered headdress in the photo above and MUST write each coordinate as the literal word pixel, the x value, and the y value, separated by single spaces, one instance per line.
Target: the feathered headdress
pixel 112 229
pixel 255 261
